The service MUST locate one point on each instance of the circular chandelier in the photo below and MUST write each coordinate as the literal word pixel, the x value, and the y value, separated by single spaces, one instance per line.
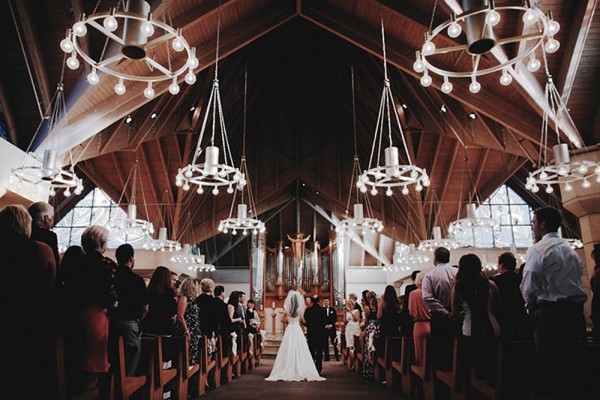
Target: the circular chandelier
pixel 472 221
pixel 140 37
pixel 406 258
pixel 562 171
pixel 359 222
pixel 392 174
pixel 193 262
pixel 212 173
pixel 481 38
pixel 163 243
pixel 438 241
pixel 46 171
pixel 241 223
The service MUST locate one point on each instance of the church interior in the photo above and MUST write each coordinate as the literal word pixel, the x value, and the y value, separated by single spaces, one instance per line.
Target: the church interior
pixel 327 146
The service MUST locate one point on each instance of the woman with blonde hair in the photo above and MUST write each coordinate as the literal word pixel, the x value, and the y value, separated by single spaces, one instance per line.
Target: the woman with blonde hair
pixel 352 318
pixel 187 317
pixel 26 278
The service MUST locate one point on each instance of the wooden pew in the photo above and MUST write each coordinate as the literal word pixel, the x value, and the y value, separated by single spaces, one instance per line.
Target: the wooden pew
pixel 358 353
pixel 258 347
pixel 124 386
pixel 253 350
pixel 401 368
pixel 243 352
pixel 344 349
pixel 157 377
pixel 90 394
pixel 515 361
pixel 424 375
pixel 453 379
pixel 223 366
pixel 186 371
pixel 207 365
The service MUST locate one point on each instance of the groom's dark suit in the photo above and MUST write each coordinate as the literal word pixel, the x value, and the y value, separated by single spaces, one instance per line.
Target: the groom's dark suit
pixel 315 331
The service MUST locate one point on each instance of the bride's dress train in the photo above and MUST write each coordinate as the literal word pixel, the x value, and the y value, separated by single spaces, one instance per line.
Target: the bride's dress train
pixel 293 361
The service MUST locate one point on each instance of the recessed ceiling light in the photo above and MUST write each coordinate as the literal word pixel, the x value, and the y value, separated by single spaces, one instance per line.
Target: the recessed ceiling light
pixel 404 105
pixel 153 115
pixel 473 115
pixel 128 119
pixel 443 108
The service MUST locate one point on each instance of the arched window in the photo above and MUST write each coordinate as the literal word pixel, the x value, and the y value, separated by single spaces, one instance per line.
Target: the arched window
pixel 514 215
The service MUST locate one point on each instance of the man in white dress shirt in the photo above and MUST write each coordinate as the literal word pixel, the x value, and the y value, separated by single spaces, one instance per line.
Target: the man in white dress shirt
pixel 437 294
pixel 553 291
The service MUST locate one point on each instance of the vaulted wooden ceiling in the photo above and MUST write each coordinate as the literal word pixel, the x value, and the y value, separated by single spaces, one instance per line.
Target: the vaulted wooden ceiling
pixel 298 55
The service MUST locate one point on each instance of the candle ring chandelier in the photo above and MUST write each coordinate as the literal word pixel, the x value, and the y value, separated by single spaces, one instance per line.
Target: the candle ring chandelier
pixel 193 260
pixel 562 170
pixel 212 173
pixel 438 241
pixel 479 23
pixel 140 35
pixel 392 174
pixel 407 257
pixel 472 221
pixel 243 222
pixel 47 171
pixel 359 222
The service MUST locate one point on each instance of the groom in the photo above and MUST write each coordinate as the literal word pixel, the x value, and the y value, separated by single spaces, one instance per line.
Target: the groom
pixel 315 331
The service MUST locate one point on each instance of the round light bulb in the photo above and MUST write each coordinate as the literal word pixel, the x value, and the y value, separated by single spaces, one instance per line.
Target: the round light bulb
pixel 225 230
pixel 506 78
pixel 244 232
pixel 405 190
pixel 552 45
pixel 200 190
pixel 78 190
pixel 549 189
pixel 190 78
pixel 389 192
pixel 553 27
pixel 426 80
pixel 582 169
pixel 568 187
pixel 234 232
pixel 447 86
pixel 535 188
pixel 147 29
pixel 454 30
pixel 418 187
pixel 93 77
pixel 373 192
pixel 419 66
pixel 474 87
pixel 120 88
pixel 67 45
pixel 110 23
pixel 194 63
pixel 597 178
pixel 363 189
pixel 149 92
pixel 529 17
pixel 188 173
pixel 428 48
pixel 586 184
pixel 67 192
pixel 230 190
pixel 178 44
pixel 186 187
pixel 174 88
pixel 492 17
pixel 215 191
pixel 178 182
pixel 79 29
pixel 534 64
pixel 73 62
pixel 543 176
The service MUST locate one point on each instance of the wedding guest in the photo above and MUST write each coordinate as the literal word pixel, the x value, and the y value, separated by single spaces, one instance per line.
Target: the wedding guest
pixel 222 315
pixel 126 319
pixel 187 317
pixel 95 293
pixel 419 311
pixel 388 314
pixel 512 316
pixel 42 215
pixel 473 298
pixel 26 278
pixel 407 321
pixel 162 306
pixel 330 330
pixel 371 335
pixel 237 322
pixel 207 308
pixel 252 317
pixel 352 318
pixel 356 303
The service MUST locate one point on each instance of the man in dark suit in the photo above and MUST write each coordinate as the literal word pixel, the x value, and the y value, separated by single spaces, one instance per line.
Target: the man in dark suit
pixel 330 331
pixel 223 320
pixel 405 318
pixel 315 331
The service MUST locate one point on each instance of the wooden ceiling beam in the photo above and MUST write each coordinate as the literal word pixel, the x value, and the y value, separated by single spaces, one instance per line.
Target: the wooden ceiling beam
pixel 100 180
pixel 8 116
pixel 574 46
pixel 108 111
pixel 180 192
pixel 148 178
pixel 450 169
pixel 513 164
pixel 35 54
pixel 479 173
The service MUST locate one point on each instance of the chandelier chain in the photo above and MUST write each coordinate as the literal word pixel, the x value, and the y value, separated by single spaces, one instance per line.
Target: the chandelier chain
pixel 433 15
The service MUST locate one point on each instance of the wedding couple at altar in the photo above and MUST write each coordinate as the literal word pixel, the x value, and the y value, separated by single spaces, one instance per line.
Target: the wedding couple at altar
pixel 296 359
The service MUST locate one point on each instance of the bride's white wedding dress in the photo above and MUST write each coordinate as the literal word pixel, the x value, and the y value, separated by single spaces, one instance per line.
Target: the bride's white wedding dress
pixel 293 361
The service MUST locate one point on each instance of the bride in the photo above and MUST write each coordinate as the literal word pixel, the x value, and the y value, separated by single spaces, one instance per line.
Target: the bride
pixel 293 361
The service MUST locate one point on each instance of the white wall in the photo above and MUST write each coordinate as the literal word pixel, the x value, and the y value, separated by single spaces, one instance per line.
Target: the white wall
pixel 13 157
